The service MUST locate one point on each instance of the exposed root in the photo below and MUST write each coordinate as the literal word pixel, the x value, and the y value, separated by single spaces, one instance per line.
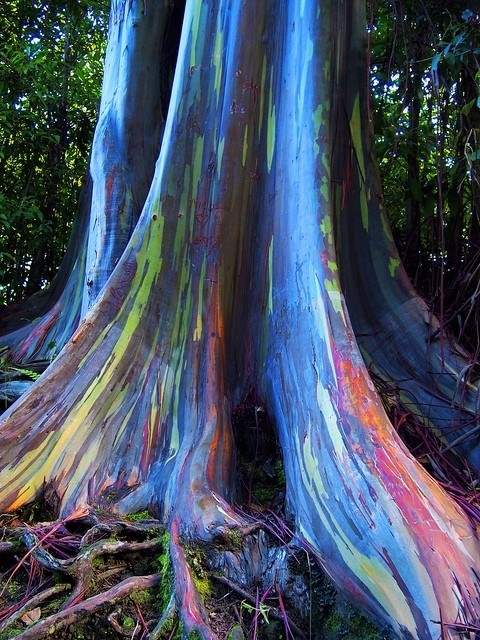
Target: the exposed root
pixel 51 548
pixel 80 568
pixel 120 527
pixel 63 619
pixel 193 614
pixel 242 577
pixel 78 565
pixel 247 554
pixel 243 559
pixel 33 602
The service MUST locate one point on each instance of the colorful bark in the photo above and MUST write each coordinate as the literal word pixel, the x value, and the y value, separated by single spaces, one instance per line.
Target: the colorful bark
pixel 400 338
pixel 125 148
pixel 128 133
pixel 382 528
pixel 37 329
pixel 230 281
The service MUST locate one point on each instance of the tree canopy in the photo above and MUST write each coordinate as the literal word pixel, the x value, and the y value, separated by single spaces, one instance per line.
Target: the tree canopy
pixel 425 80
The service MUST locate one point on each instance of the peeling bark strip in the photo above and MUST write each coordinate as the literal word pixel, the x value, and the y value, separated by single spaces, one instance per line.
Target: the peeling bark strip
pixel 230 281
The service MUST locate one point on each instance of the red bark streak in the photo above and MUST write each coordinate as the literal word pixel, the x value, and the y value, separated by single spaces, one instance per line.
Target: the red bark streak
pixel 187 596
pixel 413 491
pixel 39 332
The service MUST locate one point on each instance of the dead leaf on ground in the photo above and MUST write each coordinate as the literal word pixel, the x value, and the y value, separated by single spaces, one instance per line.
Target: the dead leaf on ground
pixel 32 616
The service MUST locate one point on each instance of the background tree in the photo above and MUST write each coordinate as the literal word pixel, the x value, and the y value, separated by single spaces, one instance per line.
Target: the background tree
pixel 120 171
pixel 51 57
pixel 425 89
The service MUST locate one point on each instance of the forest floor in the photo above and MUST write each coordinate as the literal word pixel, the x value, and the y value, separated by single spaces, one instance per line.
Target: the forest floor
pixel 38 588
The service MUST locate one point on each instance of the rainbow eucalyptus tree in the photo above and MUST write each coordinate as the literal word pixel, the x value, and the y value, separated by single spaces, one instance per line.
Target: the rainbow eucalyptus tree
pixel 230 282
pixel 400 339
pixel 137 78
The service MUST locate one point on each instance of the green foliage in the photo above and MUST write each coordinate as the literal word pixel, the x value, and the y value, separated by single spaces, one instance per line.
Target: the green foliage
pixel 12 589
pixel 267 486
pixel 98 563
pixel 128 623
pixel 33 375
pixel 236 633
pixel 11 632
pixel 425 84
pixel 263 610
pixel 51 58
pixel 343 621
pixel 142 598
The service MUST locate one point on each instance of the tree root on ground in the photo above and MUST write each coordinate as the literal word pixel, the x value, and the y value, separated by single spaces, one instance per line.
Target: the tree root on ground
pixel 133 579
pixel 67 617
pixel 34 601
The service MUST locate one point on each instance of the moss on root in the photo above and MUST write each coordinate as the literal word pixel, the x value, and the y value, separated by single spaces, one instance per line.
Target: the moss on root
pixel 142 598
pixel 11 632
pixel 233 539
pixel 196 559
pixel 138 517
pixel 163 564
pixel 345 622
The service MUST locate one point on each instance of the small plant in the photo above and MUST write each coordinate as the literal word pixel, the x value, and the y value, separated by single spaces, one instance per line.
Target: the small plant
pixel 6 366
pixel 128 623
pixel 262 610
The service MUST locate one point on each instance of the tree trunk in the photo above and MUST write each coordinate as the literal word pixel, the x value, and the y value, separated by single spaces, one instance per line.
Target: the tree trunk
pixel 124 151
pixel 413 204
pixel 128 134
pixel 400 338
pixel 230 282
